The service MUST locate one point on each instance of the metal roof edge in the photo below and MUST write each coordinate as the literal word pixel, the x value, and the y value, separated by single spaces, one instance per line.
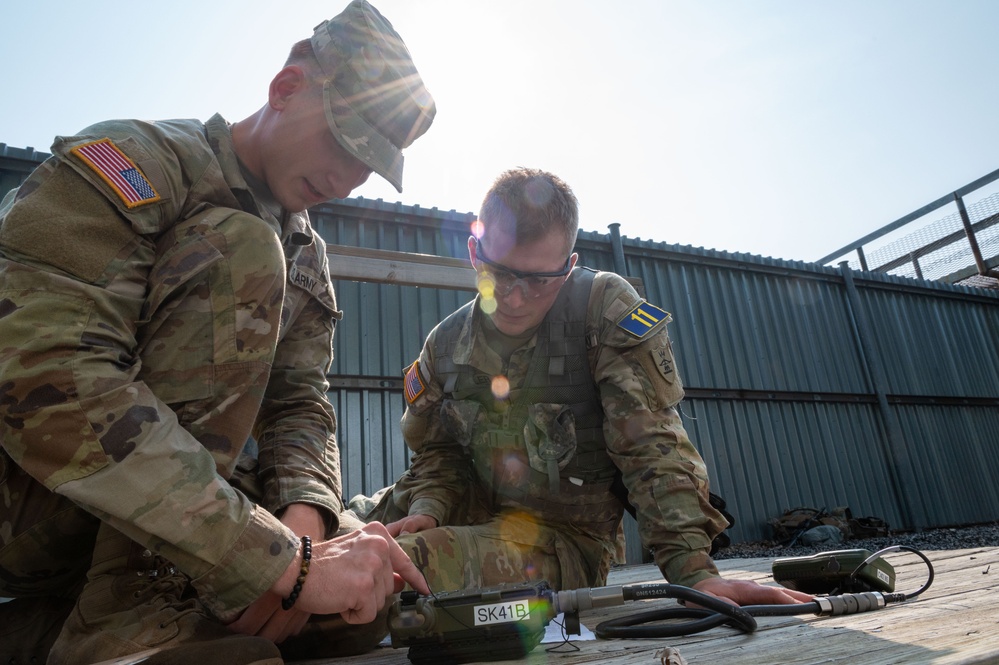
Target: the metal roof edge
pixel 27 154
pixel 712 254
pixel 691 253
pixel 416 210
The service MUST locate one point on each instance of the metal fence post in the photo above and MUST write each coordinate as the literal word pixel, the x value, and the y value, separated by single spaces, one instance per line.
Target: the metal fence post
pixel 914 256
pixel 863 259
pixel 896 456
pixel 617 249
pixel 970 232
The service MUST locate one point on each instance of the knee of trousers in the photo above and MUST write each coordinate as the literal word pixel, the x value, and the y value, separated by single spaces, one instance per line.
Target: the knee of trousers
pixel 252 242
pixel 497 552
pixel 441 555
pixel 216 293
pixel 254 270
pixel 214 311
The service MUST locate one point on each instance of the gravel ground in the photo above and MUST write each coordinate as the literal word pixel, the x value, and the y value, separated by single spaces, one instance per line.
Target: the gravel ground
pixel 982 535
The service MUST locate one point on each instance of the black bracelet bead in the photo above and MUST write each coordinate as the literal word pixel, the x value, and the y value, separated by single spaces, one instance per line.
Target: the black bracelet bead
pixel 289 602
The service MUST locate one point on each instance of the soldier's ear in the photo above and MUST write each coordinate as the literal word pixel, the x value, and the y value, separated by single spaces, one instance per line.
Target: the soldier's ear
pixel 286 84
pixel 471 248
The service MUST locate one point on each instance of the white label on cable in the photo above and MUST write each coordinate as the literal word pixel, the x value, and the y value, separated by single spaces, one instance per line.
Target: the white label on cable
pixel 515 610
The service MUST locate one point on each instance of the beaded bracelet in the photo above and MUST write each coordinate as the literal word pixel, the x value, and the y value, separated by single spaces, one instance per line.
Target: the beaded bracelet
pixel 287 603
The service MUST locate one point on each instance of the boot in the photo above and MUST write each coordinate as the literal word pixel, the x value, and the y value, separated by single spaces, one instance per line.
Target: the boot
pixel 29 626
pixel 137 605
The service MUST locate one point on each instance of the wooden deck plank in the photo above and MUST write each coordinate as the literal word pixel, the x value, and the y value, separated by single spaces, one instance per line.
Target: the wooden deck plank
pixel 955 622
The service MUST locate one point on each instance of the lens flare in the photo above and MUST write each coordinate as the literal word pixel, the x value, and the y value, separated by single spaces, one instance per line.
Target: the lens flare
pixel 487 289
pixel 477 229
pixel 501 387
pixel 521 527
pixel 487 286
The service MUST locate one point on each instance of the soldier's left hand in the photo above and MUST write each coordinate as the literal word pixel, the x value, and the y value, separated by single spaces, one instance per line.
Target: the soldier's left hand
pixel 411 524
pixel 745 592
pixel 265 618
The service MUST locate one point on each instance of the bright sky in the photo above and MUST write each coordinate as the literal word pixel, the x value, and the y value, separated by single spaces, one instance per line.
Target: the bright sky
pixel 781 128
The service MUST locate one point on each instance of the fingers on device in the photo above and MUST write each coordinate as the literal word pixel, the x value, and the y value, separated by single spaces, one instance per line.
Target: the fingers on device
pixel 840 571
pixel 504 622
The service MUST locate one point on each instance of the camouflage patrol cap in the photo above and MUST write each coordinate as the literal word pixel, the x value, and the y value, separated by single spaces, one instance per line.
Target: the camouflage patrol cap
pixel 376 102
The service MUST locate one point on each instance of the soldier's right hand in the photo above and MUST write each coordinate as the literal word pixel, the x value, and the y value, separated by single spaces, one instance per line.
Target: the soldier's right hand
pixel 411 524
pixel 353 575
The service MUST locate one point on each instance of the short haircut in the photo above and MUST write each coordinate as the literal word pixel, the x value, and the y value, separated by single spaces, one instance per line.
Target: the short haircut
pixel 303 55
pixel 528 204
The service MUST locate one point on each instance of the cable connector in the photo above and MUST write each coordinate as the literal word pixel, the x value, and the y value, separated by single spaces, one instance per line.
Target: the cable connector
pixel 582 600
pixel 850 603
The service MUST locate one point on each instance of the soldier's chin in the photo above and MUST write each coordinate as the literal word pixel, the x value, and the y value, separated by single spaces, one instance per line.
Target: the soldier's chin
pixel 511 331
pixel 512 326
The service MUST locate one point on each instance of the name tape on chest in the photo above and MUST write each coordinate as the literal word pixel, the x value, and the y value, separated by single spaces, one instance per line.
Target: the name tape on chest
pixel 117 170
pixel 413 383
pixel 304 279
pixel 643 319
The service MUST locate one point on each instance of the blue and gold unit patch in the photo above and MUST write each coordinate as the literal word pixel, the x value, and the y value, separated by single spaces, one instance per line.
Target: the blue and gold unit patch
pixel 119 172
pixel 643 319
pixel 413 382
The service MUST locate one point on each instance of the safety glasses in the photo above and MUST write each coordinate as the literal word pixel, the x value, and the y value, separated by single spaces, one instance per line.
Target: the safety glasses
pixel 532 284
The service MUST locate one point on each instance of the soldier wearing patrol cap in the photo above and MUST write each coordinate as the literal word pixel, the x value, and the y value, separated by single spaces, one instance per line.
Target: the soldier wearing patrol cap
pixel 536 410
pixel 163 297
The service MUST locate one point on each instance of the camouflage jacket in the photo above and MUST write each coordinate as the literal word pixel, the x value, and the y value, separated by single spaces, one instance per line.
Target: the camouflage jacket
pixel 77 245
pixel 632 365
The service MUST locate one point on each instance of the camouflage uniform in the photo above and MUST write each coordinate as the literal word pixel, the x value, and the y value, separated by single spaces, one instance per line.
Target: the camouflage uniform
pixel 524 485
pixel 154 315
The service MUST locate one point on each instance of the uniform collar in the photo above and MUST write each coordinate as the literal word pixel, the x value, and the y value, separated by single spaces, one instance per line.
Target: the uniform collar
pixel 220 139
pixel 473 348
pixel 254 196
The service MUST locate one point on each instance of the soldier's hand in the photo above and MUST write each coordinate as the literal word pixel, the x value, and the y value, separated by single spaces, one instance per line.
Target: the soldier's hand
pixel 265 618
pixel 745 592
pixel 354 575
pixel 411 524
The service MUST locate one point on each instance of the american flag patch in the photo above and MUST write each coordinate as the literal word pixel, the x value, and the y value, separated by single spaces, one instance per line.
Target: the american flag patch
pixel 118 171
pixel 414 382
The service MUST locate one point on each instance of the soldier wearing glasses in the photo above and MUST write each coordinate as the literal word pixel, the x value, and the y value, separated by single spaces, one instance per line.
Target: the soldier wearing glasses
pixel 534 411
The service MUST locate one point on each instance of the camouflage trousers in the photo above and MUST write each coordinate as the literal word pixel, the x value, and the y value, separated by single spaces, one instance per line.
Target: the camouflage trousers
pixel 46 541
pixel 479 548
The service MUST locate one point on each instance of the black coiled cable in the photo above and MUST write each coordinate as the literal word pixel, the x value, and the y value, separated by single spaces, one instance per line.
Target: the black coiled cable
pixel 715 612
